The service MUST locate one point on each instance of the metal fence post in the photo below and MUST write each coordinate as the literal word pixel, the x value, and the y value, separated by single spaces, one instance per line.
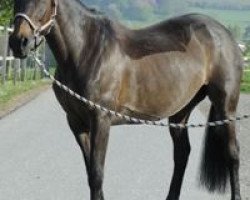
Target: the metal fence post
pixel 16 75
pixel 8 70
pixel 6 39
pixel 23 69
pixel 9 65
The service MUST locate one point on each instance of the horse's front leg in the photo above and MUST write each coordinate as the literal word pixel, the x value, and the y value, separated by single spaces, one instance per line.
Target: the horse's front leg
pixel 82 134
pixel 100 127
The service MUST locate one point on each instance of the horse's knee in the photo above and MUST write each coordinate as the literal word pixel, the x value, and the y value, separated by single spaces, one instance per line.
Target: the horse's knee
pixel 96 179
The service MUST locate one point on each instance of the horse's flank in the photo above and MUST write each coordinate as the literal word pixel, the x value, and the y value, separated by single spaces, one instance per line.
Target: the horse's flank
pixel 140 84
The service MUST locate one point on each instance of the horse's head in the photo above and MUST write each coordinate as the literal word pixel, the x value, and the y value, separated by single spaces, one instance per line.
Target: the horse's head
pixel 33 20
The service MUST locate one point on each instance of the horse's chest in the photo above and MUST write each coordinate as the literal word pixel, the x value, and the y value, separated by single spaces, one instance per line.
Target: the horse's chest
pixel 72 106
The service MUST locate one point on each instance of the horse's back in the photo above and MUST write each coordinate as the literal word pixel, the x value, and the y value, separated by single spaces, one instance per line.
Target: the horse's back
pixel 174 35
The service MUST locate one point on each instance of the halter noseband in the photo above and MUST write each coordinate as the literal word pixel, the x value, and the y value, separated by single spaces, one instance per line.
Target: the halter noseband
pixel 47 26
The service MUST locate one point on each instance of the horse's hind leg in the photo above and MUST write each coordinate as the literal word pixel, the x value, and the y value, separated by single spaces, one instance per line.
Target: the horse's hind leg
pixel 181 145
pixel 181 154
pixel 234 163
pixel 221 154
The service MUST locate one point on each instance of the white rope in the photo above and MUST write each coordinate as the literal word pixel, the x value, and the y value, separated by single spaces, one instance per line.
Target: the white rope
pixel 95 106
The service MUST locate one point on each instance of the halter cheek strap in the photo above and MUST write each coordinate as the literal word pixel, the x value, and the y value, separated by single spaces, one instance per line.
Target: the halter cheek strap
pixel 33 26
pixel 47 26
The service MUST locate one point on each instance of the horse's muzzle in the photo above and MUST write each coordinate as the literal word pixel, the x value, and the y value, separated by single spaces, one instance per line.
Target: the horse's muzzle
pixel 21 46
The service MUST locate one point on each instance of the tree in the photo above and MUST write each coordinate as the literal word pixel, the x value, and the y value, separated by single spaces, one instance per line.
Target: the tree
pixel 6 11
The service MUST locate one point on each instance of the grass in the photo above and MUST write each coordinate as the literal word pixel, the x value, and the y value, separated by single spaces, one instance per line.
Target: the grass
pixel 226 17
pixel 9 91
pixel 245 84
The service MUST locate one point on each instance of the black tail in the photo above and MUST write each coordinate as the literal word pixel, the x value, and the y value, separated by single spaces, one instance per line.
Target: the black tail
pixel 214 166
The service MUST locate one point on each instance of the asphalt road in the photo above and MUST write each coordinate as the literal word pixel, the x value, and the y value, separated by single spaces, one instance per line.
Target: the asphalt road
pixel 40 160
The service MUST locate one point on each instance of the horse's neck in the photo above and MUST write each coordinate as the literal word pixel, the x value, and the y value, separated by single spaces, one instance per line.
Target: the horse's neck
pixel 68 38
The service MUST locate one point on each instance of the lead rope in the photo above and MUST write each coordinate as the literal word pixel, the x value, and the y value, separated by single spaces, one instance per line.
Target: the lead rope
pixel 134 120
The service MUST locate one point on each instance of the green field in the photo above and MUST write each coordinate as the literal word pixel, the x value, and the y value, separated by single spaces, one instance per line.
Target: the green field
pixel 227 17
pixel 245 84
pixel 10 91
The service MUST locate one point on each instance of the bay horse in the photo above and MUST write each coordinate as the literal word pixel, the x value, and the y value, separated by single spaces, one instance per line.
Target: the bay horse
pixel 161 71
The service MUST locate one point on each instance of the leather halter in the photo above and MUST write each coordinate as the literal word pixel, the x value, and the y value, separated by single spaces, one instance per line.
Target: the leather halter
pixel 38 30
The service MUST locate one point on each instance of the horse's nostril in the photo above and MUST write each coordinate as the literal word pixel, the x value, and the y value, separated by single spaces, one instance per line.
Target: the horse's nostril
pixel 19 45
pixel 24 42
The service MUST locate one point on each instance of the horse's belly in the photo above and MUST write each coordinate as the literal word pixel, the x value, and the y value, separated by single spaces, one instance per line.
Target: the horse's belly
pixel 162 87
pixel 163 101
